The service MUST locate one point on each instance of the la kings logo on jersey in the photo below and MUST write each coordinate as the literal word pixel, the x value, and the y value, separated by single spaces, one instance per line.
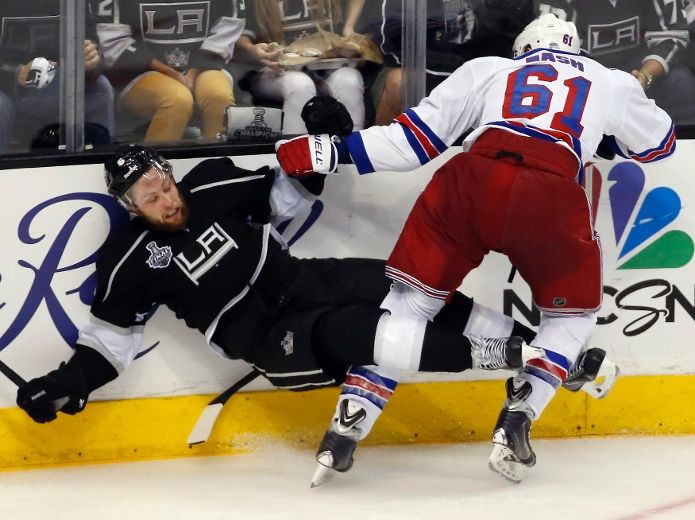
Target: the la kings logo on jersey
pixel 209 248
pixel 180 22
pixel 177 58
pixel 160 257
pixel 288 343
pixel 613 37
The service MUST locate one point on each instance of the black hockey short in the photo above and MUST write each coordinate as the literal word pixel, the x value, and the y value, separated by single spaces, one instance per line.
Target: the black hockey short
pixel 285 356
pixel 333 282
pixel 286 352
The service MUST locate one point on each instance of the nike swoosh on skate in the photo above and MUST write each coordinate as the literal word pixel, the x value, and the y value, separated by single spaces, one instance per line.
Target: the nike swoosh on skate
pixel 516 393
pixel 352 419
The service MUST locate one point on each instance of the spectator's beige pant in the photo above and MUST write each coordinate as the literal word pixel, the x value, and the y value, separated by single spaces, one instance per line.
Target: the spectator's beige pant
pixel 168 104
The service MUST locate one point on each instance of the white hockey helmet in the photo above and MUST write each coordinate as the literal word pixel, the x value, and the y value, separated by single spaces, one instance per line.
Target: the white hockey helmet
pixel 547 32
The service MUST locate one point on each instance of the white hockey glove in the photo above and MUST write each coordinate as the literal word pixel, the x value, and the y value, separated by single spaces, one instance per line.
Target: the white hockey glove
pixel 308 154
pixel 41 73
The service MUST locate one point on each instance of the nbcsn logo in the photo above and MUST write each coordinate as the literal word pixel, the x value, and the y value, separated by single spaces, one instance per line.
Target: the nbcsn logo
pixel 646 245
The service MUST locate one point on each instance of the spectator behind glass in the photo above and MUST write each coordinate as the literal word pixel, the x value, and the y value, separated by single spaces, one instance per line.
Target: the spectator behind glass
pixel 457 31
pixel 272 24
pixel 30 73
pixel 648 38
pixel 165 57
pixel 689 11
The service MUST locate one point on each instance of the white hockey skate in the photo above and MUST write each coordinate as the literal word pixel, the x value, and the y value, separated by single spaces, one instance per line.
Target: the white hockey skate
pixel 501 353
pixel 339 443
pixel 592 373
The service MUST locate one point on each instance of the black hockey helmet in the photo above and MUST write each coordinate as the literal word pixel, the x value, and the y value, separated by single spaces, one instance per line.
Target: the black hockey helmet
pixel 127 165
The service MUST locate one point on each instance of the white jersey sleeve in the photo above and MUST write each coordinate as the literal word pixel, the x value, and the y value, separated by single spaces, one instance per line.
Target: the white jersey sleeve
pixel 557 96
pixel 639 129
pixel 420 134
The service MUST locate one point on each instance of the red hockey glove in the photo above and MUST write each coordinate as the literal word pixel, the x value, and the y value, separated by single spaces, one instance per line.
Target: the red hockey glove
pixel 308 154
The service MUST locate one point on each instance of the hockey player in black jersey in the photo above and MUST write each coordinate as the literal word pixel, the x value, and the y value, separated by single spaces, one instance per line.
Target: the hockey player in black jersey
pixel 204 247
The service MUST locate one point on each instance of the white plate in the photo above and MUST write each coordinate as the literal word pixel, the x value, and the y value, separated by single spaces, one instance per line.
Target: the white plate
pixel 328 64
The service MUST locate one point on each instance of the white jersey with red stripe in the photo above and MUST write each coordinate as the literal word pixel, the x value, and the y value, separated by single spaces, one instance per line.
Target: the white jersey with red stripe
pixel 553 95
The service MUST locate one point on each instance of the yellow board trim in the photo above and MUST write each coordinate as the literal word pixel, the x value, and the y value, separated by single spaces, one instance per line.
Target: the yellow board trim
pixel 139 429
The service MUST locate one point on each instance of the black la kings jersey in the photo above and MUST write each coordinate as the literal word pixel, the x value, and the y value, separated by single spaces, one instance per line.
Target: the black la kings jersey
pixel 223 263
pixel 180 33
pixel 296 17
pixel 622 33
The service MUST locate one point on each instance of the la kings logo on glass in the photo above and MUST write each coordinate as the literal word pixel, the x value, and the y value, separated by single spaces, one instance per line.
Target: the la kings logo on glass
pixel 209 248
pixel 177 23
pixel 614 37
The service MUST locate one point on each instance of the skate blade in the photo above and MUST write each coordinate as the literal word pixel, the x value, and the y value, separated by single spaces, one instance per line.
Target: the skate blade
pixel 605 379
pixel 503 462
pixel 322 475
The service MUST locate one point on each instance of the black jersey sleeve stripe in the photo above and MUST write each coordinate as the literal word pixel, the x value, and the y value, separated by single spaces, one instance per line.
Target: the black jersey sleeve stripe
pixel 264 254
pixel 228 181
pixel 210 331
pixel 120 263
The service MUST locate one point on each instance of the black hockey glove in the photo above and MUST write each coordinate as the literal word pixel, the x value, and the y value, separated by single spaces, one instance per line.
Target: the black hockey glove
pixel 41 397
pixel 606 148
pixel 327 115
pixel 86 371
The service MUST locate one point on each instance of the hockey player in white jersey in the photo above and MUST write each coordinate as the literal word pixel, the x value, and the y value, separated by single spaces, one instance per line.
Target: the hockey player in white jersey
pixel 536 119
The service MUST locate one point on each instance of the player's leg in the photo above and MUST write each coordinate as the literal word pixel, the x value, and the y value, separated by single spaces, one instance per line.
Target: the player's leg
pixel 364 394
pixel 368 335
pixel 592 372
pixel 438 245
pixel 530 392
pixel 362 280
pixel 562 265
pixel 463 314
pixel 362 335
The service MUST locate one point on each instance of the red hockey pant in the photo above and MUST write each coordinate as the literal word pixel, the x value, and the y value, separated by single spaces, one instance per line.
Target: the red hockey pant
pixel 515 195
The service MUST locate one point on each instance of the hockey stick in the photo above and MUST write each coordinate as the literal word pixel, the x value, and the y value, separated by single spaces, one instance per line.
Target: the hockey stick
pixel 11 374
pixel 203 426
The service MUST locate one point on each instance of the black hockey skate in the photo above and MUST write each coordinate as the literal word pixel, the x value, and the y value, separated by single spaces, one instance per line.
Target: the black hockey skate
pixel 497 353
pixel 512 453
pixel 593 373
pixel 339 443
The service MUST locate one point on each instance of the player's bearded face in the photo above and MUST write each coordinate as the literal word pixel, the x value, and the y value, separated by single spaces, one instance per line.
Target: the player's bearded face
pixel 157 199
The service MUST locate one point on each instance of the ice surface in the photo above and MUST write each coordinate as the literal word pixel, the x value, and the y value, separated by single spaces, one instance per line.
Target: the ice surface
pixel 617 478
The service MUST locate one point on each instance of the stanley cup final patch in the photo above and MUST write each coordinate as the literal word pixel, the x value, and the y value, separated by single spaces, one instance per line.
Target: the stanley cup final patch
pixel 160 257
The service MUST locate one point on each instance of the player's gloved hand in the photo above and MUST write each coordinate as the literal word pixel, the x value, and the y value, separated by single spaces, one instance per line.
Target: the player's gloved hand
pixel 327 115
pixel 307 154
pixel 63 389
pixel 606 148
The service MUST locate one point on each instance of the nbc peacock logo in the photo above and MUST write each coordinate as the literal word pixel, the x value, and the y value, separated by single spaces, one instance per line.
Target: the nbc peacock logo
pixel 643 233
